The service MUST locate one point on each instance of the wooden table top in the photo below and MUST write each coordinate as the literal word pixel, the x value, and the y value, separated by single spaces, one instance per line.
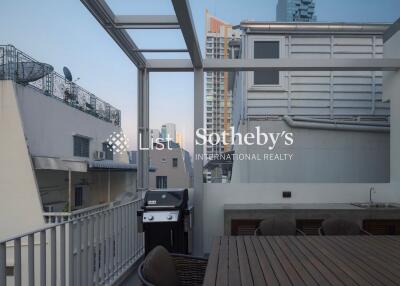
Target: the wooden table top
pixel 304 260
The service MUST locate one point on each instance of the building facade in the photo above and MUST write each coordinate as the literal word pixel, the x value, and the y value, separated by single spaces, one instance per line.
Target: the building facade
pixel 339 121
pixel 57 140
pixel 218 105
pixel 295 11
pixel 172 168
pixel 168 130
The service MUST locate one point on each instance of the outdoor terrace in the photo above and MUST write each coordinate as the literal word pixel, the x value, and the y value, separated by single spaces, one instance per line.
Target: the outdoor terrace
pixel 98 230
pixel 57 86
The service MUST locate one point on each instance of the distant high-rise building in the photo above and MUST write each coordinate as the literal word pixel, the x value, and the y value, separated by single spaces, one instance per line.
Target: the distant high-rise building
pixel 179 139
pixel 296 11
pixel 220 38
pixel 168 130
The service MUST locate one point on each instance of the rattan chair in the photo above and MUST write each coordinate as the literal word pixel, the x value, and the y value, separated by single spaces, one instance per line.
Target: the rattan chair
pixel 335 226
pixel 188 270
pixel 277 226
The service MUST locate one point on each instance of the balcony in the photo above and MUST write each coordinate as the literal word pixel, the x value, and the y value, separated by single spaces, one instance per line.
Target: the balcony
pixel 90 247
pixel 57 86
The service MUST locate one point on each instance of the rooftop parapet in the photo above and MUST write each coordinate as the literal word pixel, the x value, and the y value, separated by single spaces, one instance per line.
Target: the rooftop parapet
pixel 55 85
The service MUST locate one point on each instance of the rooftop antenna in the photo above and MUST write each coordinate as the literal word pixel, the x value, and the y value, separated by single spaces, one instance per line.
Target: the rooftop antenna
pixel 67 74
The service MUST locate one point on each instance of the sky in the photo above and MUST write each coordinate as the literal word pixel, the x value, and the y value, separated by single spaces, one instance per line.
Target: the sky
pixel 64 33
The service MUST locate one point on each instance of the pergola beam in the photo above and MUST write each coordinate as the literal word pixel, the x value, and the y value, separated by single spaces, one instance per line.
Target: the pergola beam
pixel 284 64
pixel 103 14
pixel 289 64
pixel 184 15
pixel 146 22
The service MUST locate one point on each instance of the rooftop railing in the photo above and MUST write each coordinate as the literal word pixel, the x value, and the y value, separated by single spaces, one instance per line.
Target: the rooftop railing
pixel 57 217
pixel 96 249
pixel 58 86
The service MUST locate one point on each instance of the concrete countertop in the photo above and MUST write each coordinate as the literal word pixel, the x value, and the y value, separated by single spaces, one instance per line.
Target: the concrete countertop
pixel 316 206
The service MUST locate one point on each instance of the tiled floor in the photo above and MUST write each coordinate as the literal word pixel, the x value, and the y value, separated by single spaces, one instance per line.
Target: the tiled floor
pixel 132 280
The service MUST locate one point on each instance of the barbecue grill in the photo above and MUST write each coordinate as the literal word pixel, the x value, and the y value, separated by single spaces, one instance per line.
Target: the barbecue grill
pixel 166 220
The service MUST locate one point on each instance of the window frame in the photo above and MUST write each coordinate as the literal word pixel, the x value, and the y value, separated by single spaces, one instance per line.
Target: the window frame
pixel 108 154
pixel 163 180
pixel 282 86
pixel 81 155
pixel 81 196
pixel 174 162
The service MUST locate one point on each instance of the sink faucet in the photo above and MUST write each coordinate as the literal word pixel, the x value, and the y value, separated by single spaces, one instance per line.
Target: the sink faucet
pixel 371 190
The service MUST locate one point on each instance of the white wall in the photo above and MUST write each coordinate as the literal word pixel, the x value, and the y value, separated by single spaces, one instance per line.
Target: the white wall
pixel 49 125
pixel 20 206
pixel 319 156
pixel 161 160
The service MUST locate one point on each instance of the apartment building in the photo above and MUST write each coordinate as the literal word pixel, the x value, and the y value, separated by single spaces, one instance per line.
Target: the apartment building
pixel 296 11
pixel 218 106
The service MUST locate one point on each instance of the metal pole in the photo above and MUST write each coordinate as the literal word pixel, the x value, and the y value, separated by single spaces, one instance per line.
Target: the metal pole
pixel 197 163
pixel 69 190
pixel 109 187
pixel 143 130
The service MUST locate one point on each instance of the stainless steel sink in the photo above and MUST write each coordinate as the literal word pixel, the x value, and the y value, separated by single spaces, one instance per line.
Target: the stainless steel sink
pixel 375 205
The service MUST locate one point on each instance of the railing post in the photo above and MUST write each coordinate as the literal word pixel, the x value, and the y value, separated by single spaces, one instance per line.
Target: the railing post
pixel 90 250
pixel 43 258
pixel 53 257
pixel 62 255
pixel 31 260
pixel 3 263
pixel 17 262
pixel 71 253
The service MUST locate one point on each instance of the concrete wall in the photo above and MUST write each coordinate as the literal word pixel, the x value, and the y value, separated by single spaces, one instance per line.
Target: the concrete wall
pixel 49 125
pixel 20 206
pixel 319 156
pixel 161 160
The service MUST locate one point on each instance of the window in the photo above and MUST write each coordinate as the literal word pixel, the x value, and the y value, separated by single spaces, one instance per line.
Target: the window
pixel 266 50
pixel 78 196
pixel 81 146
pixel 174 162
pixel 107 149
pixel 161 182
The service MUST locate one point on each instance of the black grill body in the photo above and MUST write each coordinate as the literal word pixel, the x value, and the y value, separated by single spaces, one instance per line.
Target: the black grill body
pixel 166 220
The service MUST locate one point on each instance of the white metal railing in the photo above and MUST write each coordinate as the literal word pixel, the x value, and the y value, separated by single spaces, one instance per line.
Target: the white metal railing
pixel 94 249
pixel 57 217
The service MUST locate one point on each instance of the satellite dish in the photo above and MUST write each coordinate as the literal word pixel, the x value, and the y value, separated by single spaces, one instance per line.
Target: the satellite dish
pixel 67 74
pixel 25 72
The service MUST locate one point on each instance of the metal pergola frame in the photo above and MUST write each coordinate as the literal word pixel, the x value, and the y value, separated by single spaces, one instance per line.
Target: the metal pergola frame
pixel 116 25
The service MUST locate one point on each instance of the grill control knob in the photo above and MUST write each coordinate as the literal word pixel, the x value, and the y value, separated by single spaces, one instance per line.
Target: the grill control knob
pixel 169 217
pixel 150 217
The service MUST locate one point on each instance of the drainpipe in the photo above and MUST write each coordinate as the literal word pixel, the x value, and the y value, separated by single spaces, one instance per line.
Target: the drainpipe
pixel 334 126
pixel 334 121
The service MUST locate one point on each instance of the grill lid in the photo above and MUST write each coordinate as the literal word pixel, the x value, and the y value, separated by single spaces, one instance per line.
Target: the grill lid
pixel 166 199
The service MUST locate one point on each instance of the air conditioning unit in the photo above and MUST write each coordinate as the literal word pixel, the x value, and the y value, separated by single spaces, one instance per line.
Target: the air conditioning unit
pixel 99 155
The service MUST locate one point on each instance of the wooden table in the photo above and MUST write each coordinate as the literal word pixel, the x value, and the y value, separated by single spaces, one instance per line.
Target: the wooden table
pixel 304 260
